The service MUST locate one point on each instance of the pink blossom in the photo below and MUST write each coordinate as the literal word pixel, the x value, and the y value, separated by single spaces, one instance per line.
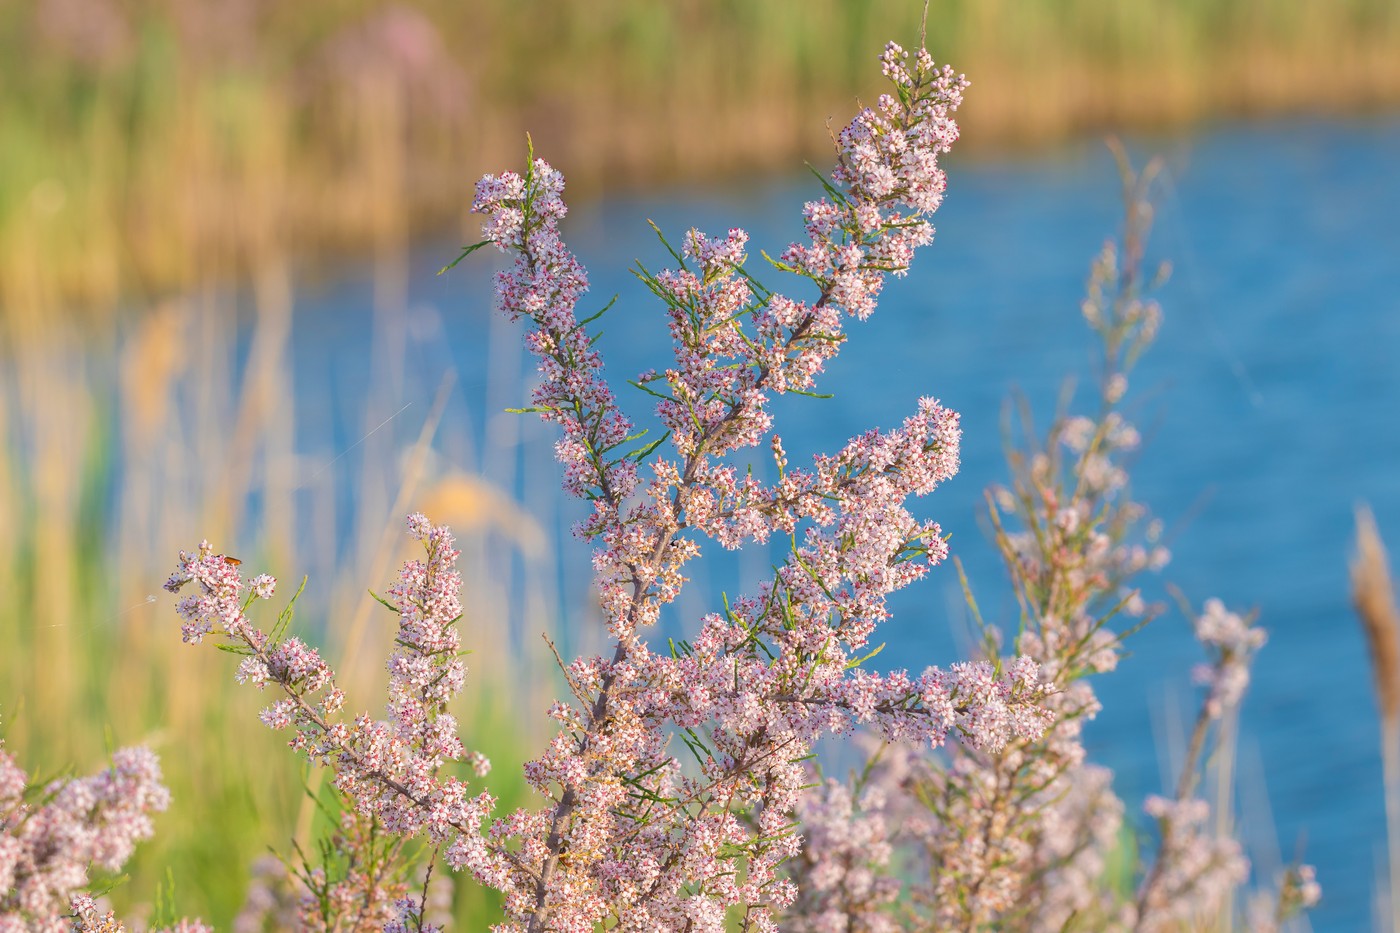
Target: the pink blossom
pixel 1232 642
pixel 388 771
pixel 1196 872
pixel 50 837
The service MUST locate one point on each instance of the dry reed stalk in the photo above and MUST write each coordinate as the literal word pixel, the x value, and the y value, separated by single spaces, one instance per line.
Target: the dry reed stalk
pixel 1374 598
pixel 1373 595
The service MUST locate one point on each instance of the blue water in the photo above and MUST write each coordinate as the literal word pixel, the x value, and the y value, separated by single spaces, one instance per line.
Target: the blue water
pixel 1271 405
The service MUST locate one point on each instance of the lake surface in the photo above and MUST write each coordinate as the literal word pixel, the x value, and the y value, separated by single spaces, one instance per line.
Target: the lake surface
pixel 1270 404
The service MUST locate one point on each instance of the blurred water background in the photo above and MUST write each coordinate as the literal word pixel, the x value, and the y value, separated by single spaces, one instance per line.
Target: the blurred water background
pixel 218 240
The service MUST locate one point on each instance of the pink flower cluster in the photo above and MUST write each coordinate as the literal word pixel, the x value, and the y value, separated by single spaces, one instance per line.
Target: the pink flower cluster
pixel 1196 873
pixel 88 917
pixel 1232 641
pixel 51 837
pixel 388 771
pixel 846 879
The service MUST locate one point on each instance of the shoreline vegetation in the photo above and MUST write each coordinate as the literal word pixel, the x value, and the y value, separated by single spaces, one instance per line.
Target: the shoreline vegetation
pixel 152 147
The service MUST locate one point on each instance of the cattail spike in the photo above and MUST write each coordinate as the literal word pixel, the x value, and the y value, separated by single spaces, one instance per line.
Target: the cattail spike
pixel 1373 595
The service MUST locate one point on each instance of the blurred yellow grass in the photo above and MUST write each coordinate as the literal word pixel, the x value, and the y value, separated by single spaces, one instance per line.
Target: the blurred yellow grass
pixel 472 505
pixel 124 445
pixel 198 134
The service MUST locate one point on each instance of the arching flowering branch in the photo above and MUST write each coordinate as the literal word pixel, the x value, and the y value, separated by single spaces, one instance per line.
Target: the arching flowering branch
pixel 632 834
pixel 388 771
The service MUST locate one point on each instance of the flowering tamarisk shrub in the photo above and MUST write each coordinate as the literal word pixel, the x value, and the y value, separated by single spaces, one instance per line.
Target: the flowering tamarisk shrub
pixel 52 836
pixel 1018 837
pixel 629 835
pixel 671 785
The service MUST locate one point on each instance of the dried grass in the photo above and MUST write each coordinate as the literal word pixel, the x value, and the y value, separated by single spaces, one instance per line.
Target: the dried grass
pixel 1373 595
